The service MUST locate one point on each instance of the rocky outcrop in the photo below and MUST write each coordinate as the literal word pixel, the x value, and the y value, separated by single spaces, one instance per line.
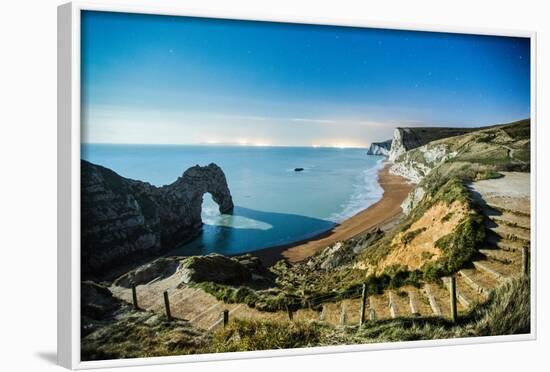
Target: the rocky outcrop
pixel 96 302
pixel 213 268
pixel 416 164
pixel 196 269
pixel 405 139
pixel 161 268
pixel 380 148
pixel 413 199
pixel 124 218
pixel 341 254
pixel 181 202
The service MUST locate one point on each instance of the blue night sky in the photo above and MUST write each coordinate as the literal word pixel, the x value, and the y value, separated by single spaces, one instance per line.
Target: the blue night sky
pixel 165 79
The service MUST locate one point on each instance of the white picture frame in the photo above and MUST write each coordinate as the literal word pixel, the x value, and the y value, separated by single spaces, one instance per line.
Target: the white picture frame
pixel 69 186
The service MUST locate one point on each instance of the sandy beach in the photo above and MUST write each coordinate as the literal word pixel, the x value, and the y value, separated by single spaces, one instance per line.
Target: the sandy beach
pixel 395 189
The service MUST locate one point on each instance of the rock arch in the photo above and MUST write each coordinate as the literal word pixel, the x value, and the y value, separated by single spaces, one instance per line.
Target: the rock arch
pixel 124 218
pixel 182 202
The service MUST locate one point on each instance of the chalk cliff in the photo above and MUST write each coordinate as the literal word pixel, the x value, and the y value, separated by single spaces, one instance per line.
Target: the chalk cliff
pixel 481 151
pixel 380 148
pixel 124 218
pixel 405 139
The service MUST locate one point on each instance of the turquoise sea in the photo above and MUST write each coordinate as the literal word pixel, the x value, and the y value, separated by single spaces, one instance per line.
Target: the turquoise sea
pixel 274 205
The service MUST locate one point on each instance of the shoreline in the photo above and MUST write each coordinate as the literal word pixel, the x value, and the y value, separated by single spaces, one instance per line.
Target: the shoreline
pixel 396 189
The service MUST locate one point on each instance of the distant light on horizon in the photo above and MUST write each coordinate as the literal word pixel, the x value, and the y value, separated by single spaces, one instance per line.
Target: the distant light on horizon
pixel 182 81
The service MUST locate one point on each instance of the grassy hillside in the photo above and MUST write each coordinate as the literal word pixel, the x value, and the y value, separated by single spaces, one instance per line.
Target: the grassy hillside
pixel 142 334
pixel 477 155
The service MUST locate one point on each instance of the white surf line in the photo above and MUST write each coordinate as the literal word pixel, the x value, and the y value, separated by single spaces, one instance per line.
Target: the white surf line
pixel 482 267
pixel 391 305
pixel 412 302
pixel 433 304
pixel 217 323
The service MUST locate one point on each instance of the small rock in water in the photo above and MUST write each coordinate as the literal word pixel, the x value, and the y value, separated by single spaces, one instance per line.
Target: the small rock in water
pixel 298 169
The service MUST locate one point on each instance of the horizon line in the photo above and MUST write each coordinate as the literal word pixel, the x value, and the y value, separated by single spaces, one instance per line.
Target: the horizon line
pixel 230 144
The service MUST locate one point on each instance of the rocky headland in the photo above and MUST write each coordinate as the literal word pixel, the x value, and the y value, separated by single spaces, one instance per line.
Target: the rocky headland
pixel 213 267
pixel 405 139
pixel 123 219
pixel 380 148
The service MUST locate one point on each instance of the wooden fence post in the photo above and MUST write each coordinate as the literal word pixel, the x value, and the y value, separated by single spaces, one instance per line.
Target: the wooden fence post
pixel 363 304
pixel 167 305
pixel 452 290
pixel 134 297
pixel 289 312
pixel 225 317
pixel 525 260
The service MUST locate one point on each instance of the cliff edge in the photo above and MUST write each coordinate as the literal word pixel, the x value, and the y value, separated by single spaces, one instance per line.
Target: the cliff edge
pixel 405 139
pixel 380 148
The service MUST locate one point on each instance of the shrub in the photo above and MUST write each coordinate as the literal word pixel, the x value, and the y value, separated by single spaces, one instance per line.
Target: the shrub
pixel 461 245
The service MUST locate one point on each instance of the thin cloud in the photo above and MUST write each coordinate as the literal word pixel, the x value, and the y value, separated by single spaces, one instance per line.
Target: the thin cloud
pixel 315 121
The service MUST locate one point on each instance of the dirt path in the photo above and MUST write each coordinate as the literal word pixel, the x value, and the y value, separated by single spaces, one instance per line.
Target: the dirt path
pixel 396 189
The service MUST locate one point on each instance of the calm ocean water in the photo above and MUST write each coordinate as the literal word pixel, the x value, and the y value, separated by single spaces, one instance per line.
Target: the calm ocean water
pixel 273 204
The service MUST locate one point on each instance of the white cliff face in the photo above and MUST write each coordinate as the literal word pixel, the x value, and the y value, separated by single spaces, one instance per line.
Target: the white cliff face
pixel 397 147
pixel 416 164
pixel 414 154
pixel 412 200
pixel 380 148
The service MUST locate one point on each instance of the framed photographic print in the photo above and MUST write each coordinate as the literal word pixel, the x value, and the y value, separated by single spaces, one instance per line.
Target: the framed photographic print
pixel 246 186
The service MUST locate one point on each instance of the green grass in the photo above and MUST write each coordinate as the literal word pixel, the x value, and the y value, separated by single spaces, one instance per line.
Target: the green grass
pixel 136 334
pixel 506 312
pixel 461 245
pixel 263 300
pixel 519 130
pixel 246 335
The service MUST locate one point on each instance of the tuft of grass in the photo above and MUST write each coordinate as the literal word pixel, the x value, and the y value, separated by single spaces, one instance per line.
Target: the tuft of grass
pixel 461 245
pixel 245 335
pixel 507 312
pixel 263 300
pixel 139 334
